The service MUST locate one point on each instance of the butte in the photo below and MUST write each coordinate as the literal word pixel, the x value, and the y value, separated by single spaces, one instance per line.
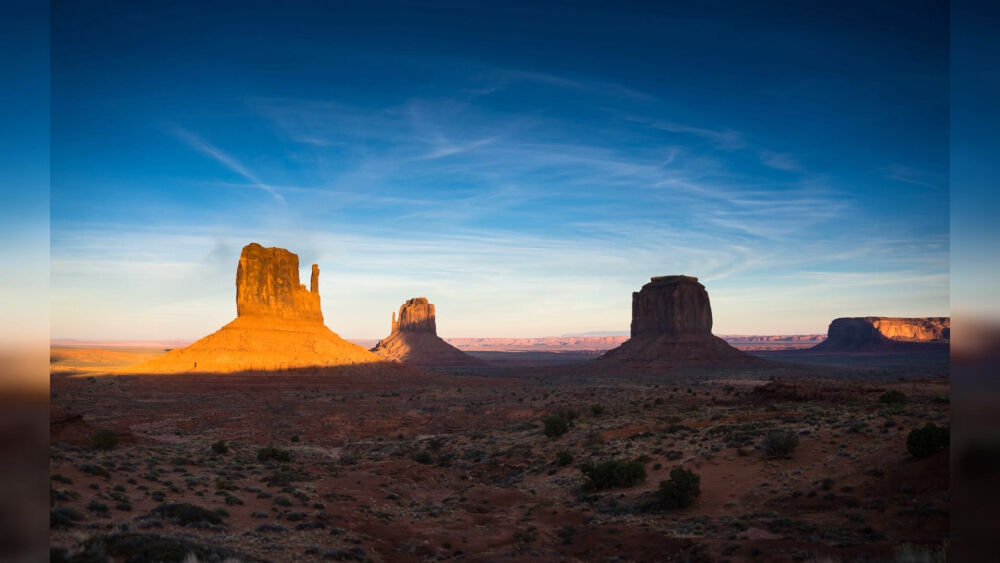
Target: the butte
pixel 413 339
pixel 672 325
pixel 278 325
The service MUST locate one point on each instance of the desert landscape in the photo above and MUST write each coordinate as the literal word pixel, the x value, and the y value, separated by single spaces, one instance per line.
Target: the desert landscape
pixel 671 446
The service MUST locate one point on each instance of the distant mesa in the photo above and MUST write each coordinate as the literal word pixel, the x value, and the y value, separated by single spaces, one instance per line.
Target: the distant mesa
pixel 876 334
pixel 413 339
pixel 672 324
pixel 279 325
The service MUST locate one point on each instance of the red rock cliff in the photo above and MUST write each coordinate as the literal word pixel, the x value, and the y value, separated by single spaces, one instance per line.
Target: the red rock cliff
pixel 267 284
pixel 671 305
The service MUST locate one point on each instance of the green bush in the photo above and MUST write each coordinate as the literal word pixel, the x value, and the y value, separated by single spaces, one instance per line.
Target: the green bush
pixel 922 442
pixel 104 439
pixel 564 458
pixel 220 447
pixel 893 397
pixel 596 410
pixel 272 453
pixel 680 491
pixel 613 474
pixel 423 457
pixel 63 517
pixel 780 443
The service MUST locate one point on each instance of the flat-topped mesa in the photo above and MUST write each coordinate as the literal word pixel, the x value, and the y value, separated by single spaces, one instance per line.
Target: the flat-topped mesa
pixel 267 284
pixel 416 315
pixel 671 305
pixel 876 333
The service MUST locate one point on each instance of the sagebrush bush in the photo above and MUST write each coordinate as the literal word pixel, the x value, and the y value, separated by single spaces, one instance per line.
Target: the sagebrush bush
pixel 564 458
pixel 220 447
pixel 680 491
pixel 922 442
pixel 596 410
pixel 104 439
pixel 271 453
pixel 613 474
pixel 780 443
pixel 555 425
pixel 187 514
pixel 894 397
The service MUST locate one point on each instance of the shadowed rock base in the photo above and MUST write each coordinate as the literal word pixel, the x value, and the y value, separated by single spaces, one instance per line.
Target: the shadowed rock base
pixel 886 334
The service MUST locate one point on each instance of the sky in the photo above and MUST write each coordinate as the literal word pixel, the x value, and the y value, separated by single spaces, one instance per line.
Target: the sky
pixel 525 166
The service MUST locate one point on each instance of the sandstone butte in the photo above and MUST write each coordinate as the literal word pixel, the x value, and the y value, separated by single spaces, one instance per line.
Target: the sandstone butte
pixel 672 325
pixel 875 334
pixel 413 339
pixel 278 325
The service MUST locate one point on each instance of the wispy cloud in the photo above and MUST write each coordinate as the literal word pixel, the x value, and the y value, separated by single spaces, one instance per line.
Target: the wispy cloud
pixel 910 175
pixel 224 158
pixel 779 161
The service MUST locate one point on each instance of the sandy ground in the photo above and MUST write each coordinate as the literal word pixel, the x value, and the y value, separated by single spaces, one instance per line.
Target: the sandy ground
pixel 419 466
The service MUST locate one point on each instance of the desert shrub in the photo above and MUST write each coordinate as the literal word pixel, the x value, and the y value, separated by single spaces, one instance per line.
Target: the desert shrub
pixel 104 439
pixel 220 447
pixel 922 442
pixel 912 553
pixel 596 410
pixel 63 517
pixel 613 474
pixel 894 397
pixel 282 501
pixel 186 514
pixel 62 478
pixel 680 491
pixel 780 443
pixel 295 438
pixel 271 453
pixel 564 458
pixel 95 506
pixel 423 457
pixel 555 425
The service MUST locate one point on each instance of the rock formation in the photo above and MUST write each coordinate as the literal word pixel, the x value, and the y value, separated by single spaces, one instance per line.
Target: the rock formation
pixel 414 340
pixel 267 284
pixel 278 326
pixel 672 324
pixel 862 334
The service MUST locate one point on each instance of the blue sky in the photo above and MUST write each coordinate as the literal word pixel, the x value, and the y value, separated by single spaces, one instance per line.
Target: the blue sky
pixel 526 167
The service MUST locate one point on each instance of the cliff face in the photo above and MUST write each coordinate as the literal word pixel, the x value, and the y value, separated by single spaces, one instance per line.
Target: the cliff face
pixel 278 325
pixel 267 284
pixel 672 324
pixel 414 340
pixel 671 305
pixel 885 333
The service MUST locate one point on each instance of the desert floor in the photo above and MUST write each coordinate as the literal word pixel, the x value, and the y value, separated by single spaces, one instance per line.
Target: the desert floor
pixel 418 466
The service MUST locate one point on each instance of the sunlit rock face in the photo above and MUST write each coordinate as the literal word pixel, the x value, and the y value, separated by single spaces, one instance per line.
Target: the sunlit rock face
pixel 279 325
pixel 413 339
pixel 672 324
pixel 878 333
pixel 267 284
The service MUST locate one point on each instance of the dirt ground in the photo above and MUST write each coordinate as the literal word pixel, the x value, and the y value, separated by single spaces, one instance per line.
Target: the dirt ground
pixel 415 466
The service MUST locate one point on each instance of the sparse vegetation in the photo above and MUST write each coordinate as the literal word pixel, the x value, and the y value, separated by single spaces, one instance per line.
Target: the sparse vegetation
pixel 564 458
pixel 613 474
pixel 270 453
pixel 104 439
pixel 220 447
pixel 681 490
pixel 922 442
pixel 187 514
pixel 557 424
pixel 894 397
pixel 780 443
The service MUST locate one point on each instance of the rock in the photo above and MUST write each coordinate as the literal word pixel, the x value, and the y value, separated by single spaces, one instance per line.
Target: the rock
pixel 279 325
pixel 672 324
pixel 267 284
pixel 413 339
pixel 416 315
pixel 886 334
pixel 671 305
